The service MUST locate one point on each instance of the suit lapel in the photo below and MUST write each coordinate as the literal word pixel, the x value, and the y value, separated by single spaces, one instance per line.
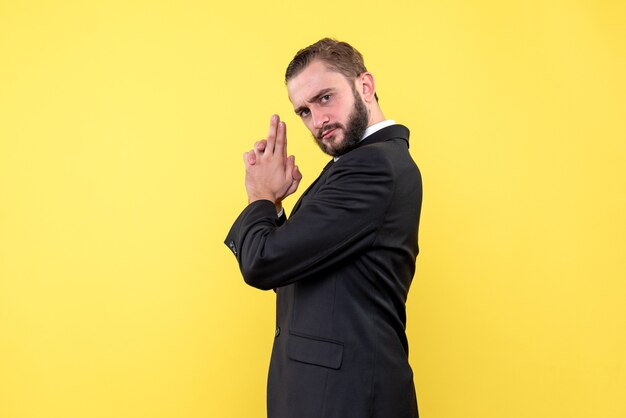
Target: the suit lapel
pixel 385 134
pixel 297 205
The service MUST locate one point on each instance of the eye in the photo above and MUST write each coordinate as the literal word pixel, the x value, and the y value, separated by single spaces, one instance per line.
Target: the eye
pixel 325 98
pixel 304 113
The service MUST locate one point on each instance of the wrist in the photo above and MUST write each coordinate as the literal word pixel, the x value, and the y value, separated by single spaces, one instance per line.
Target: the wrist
pixel 279 206
pixel 252 199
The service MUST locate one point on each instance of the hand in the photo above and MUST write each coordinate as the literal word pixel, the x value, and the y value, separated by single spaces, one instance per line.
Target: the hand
pixel 259 147
pixel 270 174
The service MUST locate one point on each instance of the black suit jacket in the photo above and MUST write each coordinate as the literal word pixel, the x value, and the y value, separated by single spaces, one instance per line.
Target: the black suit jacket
pixel 341 266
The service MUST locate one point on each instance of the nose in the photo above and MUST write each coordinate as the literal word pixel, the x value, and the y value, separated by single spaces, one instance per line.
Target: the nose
pixel 319 118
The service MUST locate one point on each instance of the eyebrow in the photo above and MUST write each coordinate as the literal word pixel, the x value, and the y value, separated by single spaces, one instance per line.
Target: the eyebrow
pixel 319 94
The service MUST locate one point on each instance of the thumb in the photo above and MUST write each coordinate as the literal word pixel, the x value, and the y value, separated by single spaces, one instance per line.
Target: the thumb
pixel 295 173
pixel 291 161
pixel 292 168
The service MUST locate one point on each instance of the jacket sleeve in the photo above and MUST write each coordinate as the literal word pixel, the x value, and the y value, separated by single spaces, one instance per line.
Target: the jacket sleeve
pixel 337 222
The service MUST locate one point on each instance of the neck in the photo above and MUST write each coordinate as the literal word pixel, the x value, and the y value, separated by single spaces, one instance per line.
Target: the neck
pixel 375 115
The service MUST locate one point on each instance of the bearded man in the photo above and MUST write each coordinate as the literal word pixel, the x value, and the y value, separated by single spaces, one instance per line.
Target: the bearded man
pixel 343 262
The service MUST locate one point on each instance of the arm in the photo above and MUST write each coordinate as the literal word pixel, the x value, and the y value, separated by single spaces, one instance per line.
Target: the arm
pixel 340 220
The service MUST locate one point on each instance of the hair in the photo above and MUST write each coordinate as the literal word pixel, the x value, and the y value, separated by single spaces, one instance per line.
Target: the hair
pixel 338 56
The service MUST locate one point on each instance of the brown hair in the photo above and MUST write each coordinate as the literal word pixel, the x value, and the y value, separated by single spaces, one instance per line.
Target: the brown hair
pixel 338 56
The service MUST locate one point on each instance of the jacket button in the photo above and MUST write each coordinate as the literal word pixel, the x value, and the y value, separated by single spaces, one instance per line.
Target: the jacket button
pixel 232 247
pixel 277 331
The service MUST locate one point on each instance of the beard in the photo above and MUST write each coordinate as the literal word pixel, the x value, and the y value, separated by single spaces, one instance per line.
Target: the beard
pixel 352 132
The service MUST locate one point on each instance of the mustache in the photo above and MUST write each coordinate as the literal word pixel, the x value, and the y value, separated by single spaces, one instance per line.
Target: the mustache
pixel 326 128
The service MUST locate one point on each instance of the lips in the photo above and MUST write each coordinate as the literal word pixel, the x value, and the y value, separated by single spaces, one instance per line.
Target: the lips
pixel 328 133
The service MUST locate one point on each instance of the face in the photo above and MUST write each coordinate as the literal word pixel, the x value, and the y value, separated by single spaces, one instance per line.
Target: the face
pixel 330 107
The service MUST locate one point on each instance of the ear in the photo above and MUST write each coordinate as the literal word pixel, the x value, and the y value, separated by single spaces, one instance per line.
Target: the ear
pixel 366 86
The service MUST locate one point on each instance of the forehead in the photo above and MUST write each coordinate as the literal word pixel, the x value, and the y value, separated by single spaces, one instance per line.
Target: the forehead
pixel 315 77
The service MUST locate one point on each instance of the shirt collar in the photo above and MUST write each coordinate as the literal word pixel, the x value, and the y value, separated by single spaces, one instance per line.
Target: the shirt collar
pixel 374 128
pixel 377 127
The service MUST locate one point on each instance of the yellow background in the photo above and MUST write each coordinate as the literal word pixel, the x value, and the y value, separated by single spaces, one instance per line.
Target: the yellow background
pixel 122 125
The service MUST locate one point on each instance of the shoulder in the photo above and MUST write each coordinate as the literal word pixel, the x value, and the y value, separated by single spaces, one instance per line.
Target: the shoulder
pixel 378 156
pixel 371 160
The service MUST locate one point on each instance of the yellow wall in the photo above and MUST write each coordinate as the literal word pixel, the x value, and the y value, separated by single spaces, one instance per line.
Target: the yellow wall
pixel 122 125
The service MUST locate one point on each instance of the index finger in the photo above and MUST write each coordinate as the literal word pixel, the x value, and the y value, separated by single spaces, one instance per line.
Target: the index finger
pixel 281 140
pixel 271 135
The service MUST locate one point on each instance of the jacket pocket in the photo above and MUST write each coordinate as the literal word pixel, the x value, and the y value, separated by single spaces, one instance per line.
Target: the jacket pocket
pixel 315 350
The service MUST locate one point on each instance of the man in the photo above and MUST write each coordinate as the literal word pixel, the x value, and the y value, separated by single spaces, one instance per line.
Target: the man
pixel 342 264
